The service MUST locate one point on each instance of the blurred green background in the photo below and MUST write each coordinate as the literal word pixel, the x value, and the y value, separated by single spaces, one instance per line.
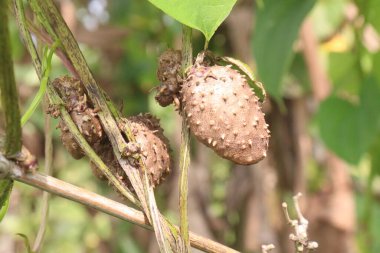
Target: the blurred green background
pixel 318 60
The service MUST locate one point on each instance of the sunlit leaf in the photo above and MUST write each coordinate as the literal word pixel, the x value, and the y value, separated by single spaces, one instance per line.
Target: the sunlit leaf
pixel 327 16
pixel 277 26
pixel 205 16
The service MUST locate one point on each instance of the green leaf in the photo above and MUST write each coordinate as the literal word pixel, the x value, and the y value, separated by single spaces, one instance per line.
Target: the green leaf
pixel 46 66
pixel 327 16
pixel 277 26
pixel 347 129
pixel 205 16
pixel 370 9
pixel 375 158
pixel 5 192
pixel 376 63
pixel 338 127
pixel 373 16
pixel 344 73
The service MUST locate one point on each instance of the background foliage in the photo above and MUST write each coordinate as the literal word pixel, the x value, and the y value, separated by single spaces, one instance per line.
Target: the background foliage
pixel 236 205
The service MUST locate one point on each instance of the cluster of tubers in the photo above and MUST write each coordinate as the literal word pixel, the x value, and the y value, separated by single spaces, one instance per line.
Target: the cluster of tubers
pixel 150 141
pixel 220 108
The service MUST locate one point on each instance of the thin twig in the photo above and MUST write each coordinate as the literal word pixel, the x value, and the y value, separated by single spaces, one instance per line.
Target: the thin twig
pixel 100 203
pixel 48 168
pixel 187 55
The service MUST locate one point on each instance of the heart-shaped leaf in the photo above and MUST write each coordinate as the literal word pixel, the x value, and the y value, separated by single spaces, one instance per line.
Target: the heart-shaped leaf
pixel 202 15
pixel 349 130
pixel 339 129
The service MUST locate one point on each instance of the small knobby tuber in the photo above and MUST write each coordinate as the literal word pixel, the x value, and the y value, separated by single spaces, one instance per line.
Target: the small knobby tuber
pixel 72 93
pixel 168 73
pixel 151 143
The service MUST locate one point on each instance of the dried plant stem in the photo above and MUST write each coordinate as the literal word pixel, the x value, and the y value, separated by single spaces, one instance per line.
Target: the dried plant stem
pixel 100 203
pixel 56 101
pixel 187 55
pixel 165 232
pixel 50 18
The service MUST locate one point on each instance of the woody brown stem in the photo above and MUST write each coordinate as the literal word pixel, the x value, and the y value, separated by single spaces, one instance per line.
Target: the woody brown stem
pixel 98 202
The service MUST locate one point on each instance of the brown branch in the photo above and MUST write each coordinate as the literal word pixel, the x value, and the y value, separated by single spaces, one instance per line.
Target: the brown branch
pixel 319 80
pixel 98 202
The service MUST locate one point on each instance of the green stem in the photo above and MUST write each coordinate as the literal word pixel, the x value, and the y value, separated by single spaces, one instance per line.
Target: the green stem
pixel 187 50
pixel 366 237
pixel 8 90
pixel 184 164
pixel 46 68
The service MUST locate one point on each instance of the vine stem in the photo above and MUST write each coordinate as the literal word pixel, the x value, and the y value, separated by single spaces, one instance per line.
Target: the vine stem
pixel 187 55
pixel 9 96
pixel 98 202
pixel 9 104
pixel 49 16
pixel 56 101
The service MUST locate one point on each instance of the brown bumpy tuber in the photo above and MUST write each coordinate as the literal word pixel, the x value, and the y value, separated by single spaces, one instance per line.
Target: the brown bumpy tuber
pixel 82 113
pixel 168 73
pixel 224 113
pixel 150 141
pixel 153 145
